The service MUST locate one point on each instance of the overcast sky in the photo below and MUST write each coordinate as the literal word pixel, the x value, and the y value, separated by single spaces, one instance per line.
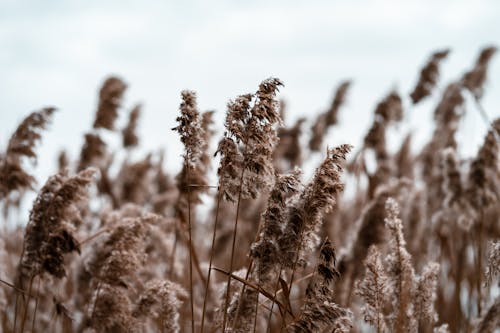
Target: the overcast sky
pixel 58 53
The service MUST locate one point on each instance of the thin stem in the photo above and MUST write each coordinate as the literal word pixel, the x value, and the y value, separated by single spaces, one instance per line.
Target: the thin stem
pixel 190 252
pixel 172 255
pixel 95 300
pixel 15 312
pixel 97 234
pixel 249 271
pixel 272 303
pixel 264 292
pixel 25 314
pixel 238 308
pixel 13 286
pixel 479 268
pixel 486 119
pixel 212 252
pixel 232 250
pixel 294 267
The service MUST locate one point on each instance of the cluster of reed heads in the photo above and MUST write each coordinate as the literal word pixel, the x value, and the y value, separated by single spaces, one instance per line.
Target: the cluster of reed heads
pixel 120 245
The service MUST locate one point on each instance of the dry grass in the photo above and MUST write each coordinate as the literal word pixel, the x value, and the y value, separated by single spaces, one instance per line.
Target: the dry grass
pixel 114 245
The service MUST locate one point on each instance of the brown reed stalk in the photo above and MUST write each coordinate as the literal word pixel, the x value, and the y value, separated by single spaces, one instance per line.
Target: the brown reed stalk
pixel 246 152
pixel 263 251
pixel 373 289
pixel 21 145
pixel 305 217
pixel 400 268
pixel 231 261
pixel 191 134
pixel 320 311
pixel 210 264
pixel 129 135
pixel 429 76
pixel 110 98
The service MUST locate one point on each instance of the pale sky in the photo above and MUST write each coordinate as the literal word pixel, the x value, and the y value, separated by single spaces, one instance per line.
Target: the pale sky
pixel 58 53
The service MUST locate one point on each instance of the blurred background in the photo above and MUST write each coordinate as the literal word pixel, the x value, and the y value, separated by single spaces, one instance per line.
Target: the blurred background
pixel 57 53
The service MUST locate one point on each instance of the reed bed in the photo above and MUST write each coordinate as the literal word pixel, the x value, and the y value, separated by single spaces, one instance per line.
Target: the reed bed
pixel 119 244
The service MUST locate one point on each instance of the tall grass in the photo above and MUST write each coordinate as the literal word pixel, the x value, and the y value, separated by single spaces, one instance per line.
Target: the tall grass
pixel 113 244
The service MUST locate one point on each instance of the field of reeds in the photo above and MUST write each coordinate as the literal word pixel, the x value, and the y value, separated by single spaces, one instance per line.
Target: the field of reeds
pixel 240 240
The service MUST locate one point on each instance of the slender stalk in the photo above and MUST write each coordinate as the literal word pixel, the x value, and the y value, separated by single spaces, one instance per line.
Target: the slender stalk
pixel 294 268
pixel 95 300
pixel 243 288
pixel 232 250
pixel 25 313
pixel 259 289
pixel 256 312
pixel 97 234
pixel 486 119
pixel 15 312
pixel 249 271
pixel 190 252
pixel 12 286
pixel 272 303
pixel 171 259
pixel 212 252
pixel 479 268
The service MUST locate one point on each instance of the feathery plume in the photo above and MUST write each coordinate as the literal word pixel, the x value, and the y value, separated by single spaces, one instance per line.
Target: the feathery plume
pixel 93 152
pixel 320 311
pixel 129 136
pixel 112 311
pixel 328 118
pixel 21 145
pixel 48 236
pixel 190 128
pixel 161 300
pixel 390 109
pixel 62 161
pixel 493 267
pixel 400 269
pixel 319 197
pixel 483 171
pixel 133 181
pixel 404 159
pixel 249 142
pixel 338 100
pixel 289 148
pixel 265 251
pixel 110 98
pixel 373 289
pixel 208 132
pixel 474 79
pixel 122 253
pixel 491 320
pixel 318 132
pixel 452 184
pixel 425 294
pixel 429 76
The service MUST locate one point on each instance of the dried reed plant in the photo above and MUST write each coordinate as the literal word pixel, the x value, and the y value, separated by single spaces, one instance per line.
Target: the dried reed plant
pixel 238 249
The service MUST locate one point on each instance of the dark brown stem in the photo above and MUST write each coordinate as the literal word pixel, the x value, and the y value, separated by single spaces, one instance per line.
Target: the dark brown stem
pixel 212 253
pixel 256 312
pixel 95 300
pixel 232 251
pixel 272 302
pixel 25 313
pixel 190 252
pixel 479 268
pixel 171 259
